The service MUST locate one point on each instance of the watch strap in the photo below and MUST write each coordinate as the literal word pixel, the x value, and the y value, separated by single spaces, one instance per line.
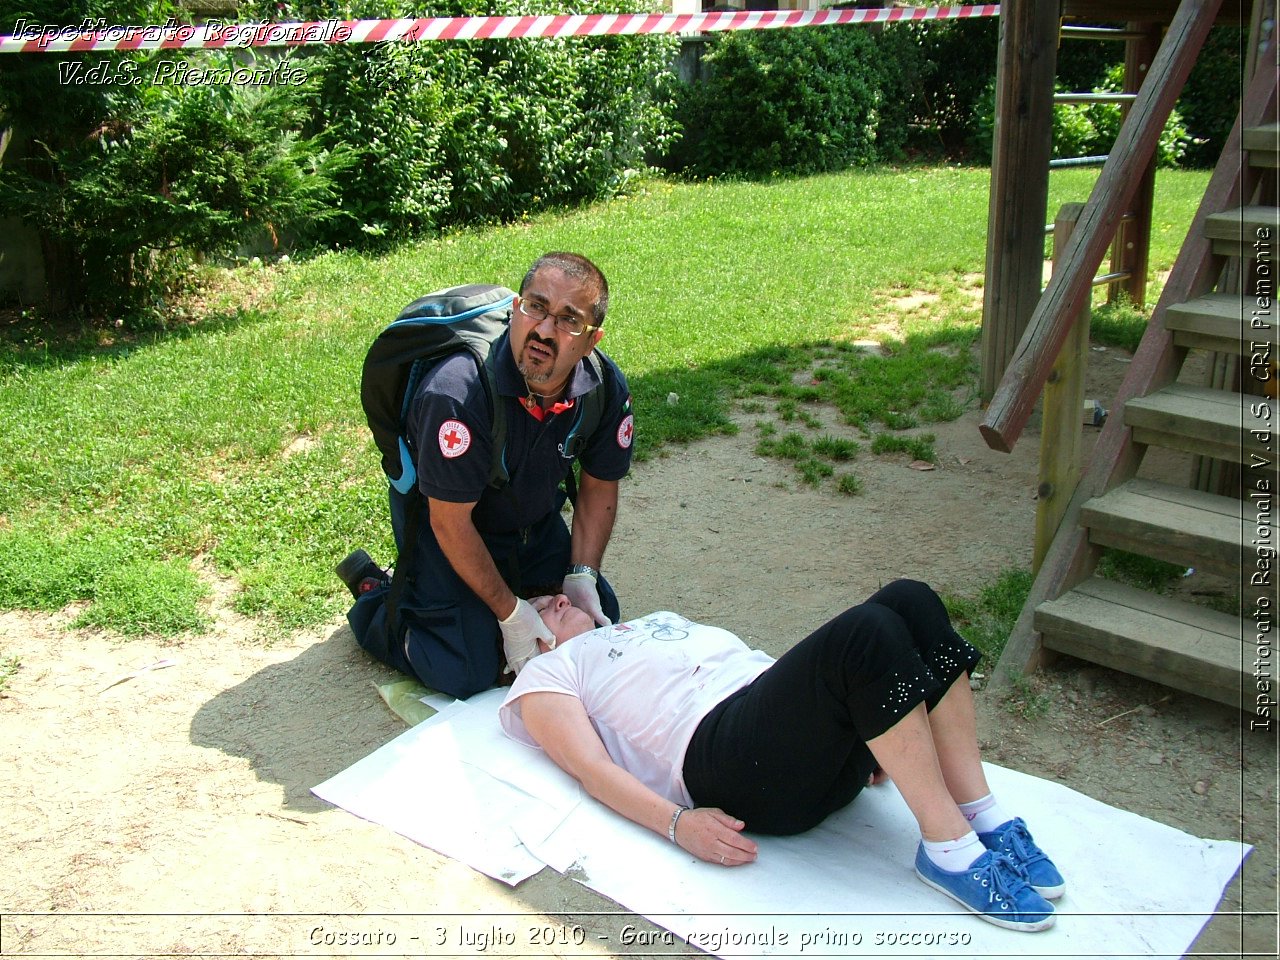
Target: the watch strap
pixel 590 571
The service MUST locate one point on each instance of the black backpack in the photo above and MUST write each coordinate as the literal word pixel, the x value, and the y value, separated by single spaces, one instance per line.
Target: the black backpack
pixel 473 318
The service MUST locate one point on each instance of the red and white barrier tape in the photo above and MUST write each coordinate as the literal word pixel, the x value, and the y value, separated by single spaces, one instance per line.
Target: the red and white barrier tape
pixel 97 35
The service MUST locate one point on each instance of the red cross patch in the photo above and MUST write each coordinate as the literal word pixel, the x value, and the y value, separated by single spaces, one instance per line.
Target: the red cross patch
pixel 626 431
pixel 454 437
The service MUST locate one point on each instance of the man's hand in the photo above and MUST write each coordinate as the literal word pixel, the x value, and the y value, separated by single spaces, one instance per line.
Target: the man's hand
pixel 583 593
pixel 711 834
pixel 521 632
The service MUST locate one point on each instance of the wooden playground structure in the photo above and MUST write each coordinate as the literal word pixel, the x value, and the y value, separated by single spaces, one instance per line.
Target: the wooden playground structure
pixel 1219 298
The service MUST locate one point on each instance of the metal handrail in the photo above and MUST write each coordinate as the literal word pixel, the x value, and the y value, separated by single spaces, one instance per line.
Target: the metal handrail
pixel 1100 33
pixel 1127 218
pixel 1078 162
pixel 1106 278
pixel 1102 97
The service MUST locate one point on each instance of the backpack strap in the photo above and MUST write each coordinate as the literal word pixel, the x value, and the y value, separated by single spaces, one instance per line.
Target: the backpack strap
pixel 590 413
pixel 498 475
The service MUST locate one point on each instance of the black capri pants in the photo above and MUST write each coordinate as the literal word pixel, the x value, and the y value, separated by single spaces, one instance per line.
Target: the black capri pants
pixel 790 748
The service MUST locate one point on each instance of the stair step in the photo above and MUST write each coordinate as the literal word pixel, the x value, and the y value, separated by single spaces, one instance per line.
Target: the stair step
pixel 1263 145
pixel 1215 321
pixel 1187 527
pixel 1178 644
pixel 1233 231
pixel 1194 419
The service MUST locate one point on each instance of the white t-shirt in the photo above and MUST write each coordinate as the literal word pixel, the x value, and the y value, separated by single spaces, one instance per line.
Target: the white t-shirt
pixel 645 685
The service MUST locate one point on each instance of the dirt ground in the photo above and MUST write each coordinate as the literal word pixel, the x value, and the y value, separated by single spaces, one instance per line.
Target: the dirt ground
pixel 166 811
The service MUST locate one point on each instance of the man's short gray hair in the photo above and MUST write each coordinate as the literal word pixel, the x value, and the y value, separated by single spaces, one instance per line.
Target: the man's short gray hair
pixel 577 267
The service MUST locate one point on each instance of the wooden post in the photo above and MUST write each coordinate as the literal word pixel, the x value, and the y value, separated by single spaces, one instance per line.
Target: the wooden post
pixel 1022 146
pixel 1070 289
pixel 1132 249
pixel 1060 436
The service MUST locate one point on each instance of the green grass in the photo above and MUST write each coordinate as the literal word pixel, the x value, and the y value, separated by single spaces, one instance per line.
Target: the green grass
pixel 8 667
pixel 1145 573
pixel 916 447
pixel 1118 324
pixel 1026 700
pixel 813 471
pixel 835 448
pixel 987 619
pixel 810 459
pixel 143 597
pixel 236 442
pixel 848 484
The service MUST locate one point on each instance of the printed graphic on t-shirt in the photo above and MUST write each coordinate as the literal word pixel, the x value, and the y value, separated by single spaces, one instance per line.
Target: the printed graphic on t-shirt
pixel 664 627
pixel 454 437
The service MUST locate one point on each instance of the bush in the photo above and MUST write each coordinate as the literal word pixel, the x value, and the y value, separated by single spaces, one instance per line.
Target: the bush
pixel 1211 99
pixel 196 168
pixel 952 76
pixel 1090 129
pixel 121 176
pixel 953 70
pixel 385 141
pixel 1105 119
pixel 786 100
pixel 467 132
pixel 829 97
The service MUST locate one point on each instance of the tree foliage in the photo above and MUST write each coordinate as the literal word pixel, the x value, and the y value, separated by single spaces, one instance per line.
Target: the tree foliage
pixel 786 100
pixel 126 170
pixel 474 131
pixel 377 143
pixel 386 142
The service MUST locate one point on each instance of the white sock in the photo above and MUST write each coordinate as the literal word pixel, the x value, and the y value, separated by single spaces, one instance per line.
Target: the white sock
pixel 954 855
pixel 984 814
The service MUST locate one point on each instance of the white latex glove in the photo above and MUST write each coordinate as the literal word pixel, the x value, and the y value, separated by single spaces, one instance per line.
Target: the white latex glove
pixel 582 592
pixel 520 635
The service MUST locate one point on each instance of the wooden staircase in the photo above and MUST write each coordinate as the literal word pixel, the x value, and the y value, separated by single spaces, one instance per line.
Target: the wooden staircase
pixel 1209 305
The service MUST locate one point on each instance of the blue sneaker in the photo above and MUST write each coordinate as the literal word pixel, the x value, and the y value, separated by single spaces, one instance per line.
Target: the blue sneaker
pixel 994 887
pixel 1014 839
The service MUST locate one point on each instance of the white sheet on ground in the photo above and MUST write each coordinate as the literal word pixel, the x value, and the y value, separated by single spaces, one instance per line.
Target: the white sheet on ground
pixel 458 785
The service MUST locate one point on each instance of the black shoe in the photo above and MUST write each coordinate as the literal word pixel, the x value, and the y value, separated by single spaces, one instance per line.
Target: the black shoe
pixel 359 572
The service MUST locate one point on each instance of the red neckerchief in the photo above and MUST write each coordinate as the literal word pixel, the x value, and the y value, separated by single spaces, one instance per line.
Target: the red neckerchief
pixel 536 410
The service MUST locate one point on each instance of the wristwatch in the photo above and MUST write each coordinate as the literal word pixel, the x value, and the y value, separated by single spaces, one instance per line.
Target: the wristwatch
pixel 592 572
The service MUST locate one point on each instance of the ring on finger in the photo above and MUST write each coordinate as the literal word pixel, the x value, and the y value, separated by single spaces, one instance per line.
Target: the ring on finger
pixel 722 859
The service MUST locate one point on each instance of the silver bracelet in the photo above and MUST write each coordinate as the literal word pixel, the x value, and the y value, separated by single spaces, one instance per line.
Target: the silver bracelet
pixel 675 818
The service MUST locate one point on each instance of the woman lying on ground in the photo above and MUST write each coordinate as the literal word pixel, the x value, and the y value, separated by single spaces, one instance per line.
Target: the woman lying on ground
pixel 672 723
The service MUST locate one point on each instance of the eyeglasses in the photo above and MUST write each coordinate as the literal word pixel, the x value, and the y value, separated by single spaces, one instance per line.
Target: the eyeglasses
pixel 564 322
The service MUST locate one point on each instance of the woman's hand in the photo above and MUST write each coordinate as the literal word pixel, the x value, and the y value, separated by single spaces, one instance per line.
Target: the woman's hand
pixel 558 722
pixel 711 834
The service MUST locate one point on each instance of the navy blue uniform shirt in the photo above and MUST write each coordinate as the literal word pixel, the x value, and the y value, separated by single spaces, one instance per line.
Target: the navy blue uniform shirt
pixel 451 430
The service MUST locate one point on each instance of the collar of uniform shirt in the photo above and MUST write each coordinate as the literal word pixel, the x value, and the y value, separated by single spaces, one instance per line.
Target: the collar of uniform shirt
pixel 539 412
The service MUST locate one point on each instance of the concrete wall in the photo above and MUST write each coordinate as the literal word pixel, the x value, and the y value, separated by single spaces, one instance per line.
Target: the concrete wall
pixel 21 265
pixel 21 262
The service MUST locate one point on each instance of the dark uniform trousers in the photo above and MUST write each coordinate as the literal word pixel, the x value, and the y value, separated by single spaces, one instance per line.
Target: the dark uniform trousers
pixel 447 637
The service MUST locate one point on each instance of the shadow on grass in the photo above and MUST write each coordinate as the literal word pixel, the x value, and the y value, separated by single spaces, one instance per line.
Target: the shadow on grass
pixel 41 343
pixel 902 384
pixel 278 522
